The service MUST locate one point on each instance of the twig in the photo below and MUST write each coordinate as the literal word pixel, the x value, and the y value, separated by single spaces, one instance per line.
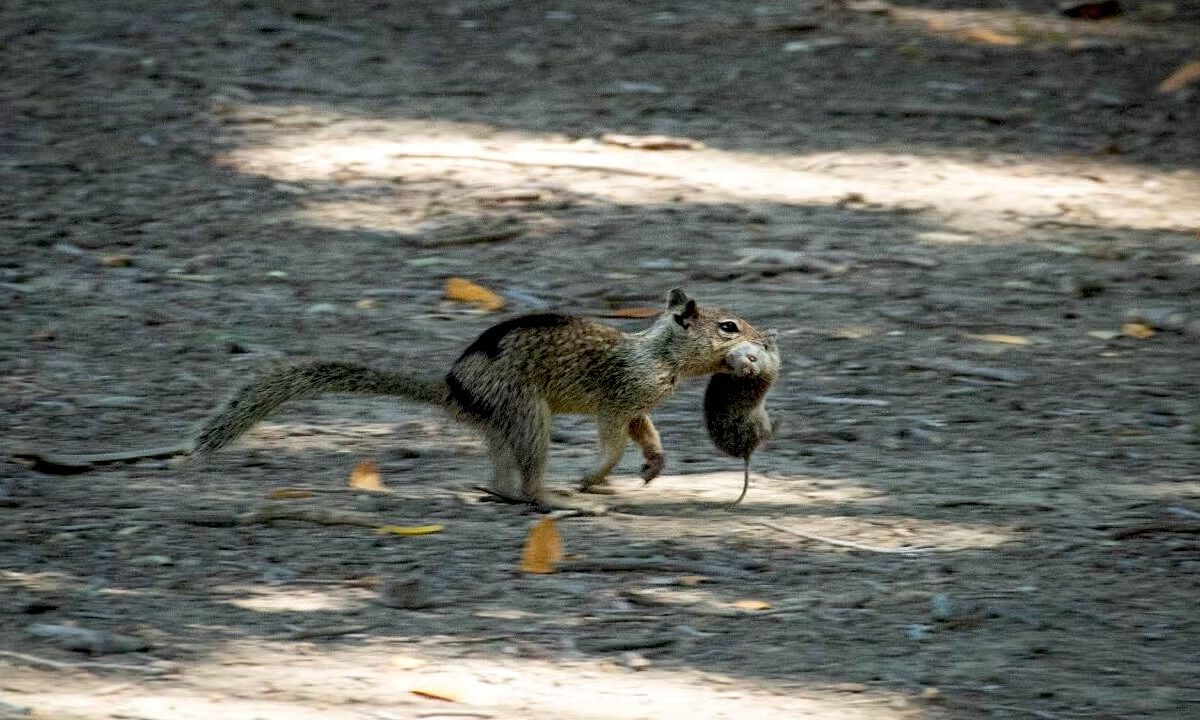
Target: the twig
pixel 63 665
pixel 642 565
pixel 620 644
pixel 62 464
pixel 490 495
pixel 928 322
pixel 969 112
pixel 1159 526
pixel 830 400
pixel 702 607
pixel 530 163
pixel 322 632
pixel 271 513
pixel 910 260
pixel 959 367
pixel 476 237
pixel 840 543
pixel 302 27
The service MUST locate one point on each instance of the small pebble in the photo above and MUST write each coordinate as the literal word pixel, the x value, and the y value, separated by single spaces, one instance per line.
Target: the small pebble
pixel 405 594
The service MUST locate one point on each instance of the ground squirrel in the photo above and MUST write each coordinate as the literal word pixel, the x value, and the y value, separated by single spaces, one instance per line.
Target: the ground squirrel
pixel 521 372
pixel 735 401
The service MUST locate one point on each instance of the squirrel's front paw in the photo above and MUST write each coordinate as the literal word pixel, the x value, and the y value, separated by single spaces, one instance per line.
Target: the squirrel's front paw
pixel 653 466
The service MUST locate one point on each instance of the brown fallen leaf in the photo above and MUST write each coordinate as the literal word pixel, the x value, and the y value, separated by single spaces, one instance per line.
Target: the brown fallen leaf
pixel 1184 75
pixel 543 548
pixel 1137 330
pixel 752 605
pixel 366 477
pixel 463 290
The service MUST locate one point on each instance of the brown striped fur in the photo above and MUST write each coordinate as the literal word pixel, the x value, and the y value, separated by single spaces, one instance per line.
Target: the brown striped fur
pixel 518 374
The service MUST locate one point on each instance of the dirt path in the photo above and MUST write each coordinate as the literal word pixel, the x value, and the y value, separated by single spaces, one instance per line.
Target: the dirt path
pixel 976 231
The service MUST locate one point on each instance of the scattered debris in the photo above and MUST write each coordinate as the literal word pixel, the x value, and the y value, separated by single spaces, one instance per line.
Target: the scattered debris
pixel 1092 9
pixel 959 367
pixel 651 142
pixel 92 642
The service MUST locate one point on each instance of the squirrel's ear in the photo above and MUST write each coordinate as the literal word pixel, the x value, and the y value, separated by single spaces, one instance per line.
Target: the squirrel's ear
pixel 677 299
pixel 685 316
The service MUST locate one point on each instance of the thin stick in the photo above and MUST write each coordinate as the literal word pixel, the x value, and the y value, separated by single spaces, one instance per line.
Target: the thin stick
pixel 62 665
pixel 271 513
pixel 968 112
pixel 536 164
pixel 1160 526
pixel 62 464
pixel 322 632
pixel 959 367
pixel 840 543
pixel 643 565
pixel 1036 713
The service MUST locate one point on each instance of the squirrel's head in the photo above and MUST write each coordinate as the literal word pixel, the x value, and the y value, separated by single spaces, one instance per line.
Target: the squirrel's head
pixel 711 339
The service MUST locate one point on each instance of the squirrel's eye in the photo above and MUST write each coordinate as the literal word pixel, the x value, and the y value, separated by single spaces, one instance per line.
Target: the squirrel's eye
pixel 728 326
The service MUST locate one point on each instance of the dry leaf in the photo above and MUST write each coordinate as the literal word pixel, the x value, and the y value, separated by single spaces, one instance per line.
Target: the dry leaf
pixel 691 580
pixel 409 529
pixel 1002 339
pixel 289 494
pixel 633 312
pixel 543 548
pixel 991 37
pixel 366 477
pixel 462 290
pixel 1137 330
pixel 752 605
pixel 1185 75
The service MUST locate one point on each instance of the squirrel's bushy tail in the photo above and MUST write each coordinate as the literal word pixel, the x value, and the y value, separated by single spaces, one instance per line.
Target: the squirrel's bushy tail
pixel 260 398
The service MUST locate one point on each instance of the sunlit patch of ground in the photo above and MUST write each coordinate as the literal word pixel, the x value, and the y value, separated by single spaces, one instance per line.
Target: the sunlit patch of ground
pixel 339 157
pixel 402 680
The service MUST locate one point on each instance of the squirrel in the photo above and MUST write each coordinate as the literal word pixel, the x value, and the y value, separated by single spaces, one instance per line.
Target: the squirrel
pixel 735 401
pixel 515 376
